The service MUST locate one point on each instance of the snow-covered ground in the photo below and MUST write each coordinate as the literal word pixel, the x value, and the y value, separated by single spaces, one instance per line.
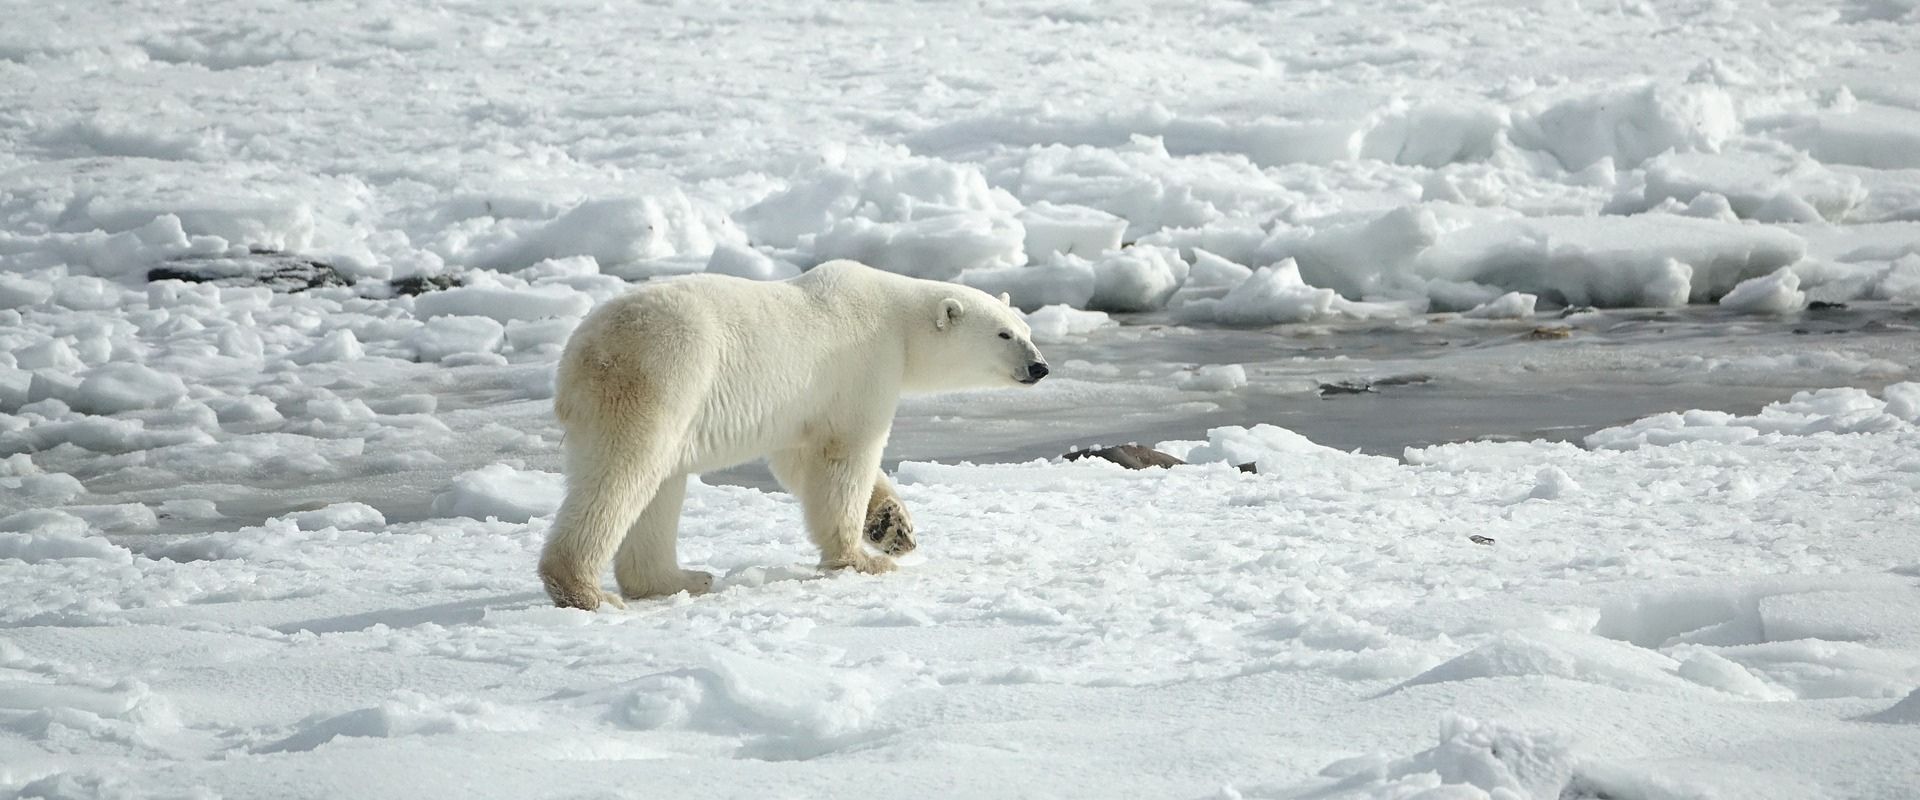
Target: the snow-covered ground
pixel 257 543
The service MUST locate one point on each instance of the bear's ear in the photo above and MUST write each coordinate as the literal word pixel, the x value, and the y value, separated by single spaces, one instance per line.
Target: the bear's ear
pixel 1006 299
pixel 950 312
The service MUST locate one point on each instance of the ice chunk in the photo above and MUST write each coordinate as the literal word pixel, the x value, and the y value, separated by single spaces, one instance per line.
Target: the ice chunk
pixel 503 304
pixel 1628 126
pixel 745 262
pixel 124 386
pixel 344 516
pixel 1063 280
pixel 339 345
pixel 1512 305
pixel 1070 230
pixel 501 492
pixel 1138 278
pixel 1876 136
pixel 443 337
pixel 1271 295
pixel 1213 378
pixel 618 231
pixel 1776 293
pixel 1059 323
pixel 922 217
pixel 20 292
pixel 1900 282
pixel 55 538
pixel 1748 185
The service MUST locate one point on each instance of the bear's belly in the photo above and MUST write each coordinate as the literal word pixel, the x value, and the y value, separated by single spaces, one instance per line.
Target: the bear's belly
pixel 718 441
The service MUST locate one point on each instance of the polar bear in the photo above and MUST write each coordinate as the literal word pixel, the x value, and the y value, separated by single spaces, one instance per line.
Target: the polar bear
pixel 702 372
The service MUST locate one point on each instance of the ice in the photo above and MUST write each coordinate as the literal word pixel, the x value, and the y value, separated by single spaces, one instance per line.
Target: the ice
pixel 504 304
pixel 121 386
pixel 1213 378
pixel 53 541
pixel 1138 278
pixel 1775 293
pixel 919 217
pixel 1806 414
pixel 20 292
pixel 1062 280
pixel 499 491
pixel 1269 295
pixel 1070 230
pixel 254 531
pixel 443 338
pixel 1752 186
pixel 1877 136
pixel 746 262
pixel 1512 305
pixel 615 231
pixel 1628 126
pixel 1058 323
pixel 337 346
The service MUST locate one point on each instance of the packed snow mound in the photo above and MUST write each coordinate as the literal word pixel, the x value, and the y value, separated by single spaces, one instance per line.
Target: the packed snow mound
pixel 1512 305
pixel 1558 654
pixel 612 231
pixel 499 491
pixel 1628 126
pixel 1774 293
pixel 125 386
pixel 1646 260
pixel 54 539
pixel 920 217
pixel 1473 761
pixel 1060 280
pixel 1068 229
pixel 1061 323
pixel 1273 449
pixel 407 713
pixel 1755 186
pixel 1831 411
pixel 785 710
pixel 1866 135
pixel 1138 278
pixel 1427 135
pixel 503 303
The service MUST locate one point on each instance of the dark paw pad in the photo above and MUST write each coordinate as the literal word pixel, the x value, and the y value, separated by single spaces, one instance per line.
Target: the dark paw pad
pixel 890 530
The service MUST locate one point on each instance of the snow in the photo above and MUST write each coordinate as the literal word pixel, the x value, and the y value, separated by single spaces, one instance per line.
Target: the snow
pixel 501 492
pixel 262 539
pixel 1775 293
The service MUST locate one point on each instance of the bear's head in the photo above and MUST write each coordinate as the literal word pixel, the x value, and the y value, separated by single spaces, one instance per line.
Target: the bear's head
pixel 973 340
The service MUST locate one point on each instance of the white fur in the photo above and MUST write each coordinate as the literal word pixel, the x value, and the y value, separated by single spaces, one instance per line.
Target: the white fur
pixel 693 374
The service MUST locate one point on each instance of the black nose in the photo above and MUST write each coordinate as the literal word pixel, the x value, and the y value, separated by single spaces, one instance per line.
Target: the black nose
pixel 1036 371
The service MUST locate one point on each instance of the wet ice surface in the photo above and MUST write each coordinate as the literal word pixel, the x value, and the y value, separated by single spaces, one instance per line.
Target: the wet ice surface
pixel 1471 380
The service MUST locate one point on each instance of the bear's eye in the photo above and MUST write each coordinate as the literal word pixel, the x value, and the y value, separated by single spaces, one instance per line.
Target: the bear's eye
pixel 1005 335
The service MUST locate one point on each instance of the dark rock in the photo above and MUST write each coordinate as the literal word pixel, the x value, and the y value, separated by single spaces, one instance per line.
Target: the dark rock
pixel 281 272
pixel 421 284
pixel 1131 456
pixel 1478 539
pixel 1346 387
pixel 1823 305
pixel 1368 385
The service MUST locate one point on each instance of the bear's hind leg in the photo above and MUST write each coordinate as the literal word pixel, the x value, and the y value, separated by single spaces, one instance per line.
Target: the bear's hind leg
pixel 609 483
pixel 834 485
pixel 648 564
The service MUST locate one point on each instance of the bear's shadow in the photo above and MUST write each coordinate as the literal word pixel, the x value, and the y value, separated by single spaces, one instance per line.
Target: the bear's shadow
pixel 460 612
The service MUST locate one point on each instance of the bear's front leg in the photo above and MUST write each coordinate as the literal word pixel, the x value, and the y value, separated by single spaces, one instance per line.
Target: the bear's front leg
pixel 888 528
pixel 835 485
